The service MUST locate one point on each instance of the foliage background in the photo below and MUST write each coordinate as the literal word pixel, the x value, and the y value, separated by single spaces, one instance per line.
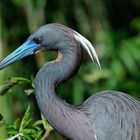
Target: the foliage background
pixel 112 26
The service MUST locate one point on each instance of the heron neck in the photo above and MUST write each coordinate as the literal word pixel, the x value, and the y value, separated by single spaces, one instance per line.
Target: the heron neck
pixel 63 117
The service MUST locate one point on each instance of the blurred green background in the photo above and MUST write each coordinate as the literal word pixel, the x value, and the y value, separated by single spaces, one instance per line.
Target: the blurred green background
pixel 112 26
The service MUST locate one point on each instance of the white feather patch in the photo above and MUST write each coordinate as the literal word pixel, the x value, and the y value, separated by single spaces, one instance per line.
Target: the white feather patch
pixel 88 47
pixel 95 137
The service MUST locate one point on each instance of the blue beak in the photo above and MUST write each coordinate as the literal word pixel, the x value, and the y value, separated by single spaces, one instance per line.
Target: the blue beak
pixel 27 48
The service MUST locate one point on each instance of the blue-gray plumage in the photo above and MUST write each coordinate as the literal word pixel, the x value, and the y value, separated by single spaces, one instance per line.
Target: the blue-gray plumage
pixel 108 115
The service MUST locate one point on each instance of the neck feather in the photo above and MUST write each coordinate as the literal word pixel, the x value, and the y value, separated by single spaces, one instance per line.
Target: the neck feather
pixel 63 117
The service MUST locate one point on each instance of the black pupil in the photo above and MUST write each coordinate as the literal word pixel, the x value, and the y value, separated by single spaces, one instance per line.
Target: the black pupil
pixel 36 40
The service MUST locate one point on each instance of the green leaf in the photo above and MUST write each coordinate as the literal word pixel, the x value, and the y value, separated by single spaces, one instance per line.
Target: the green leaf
pixel 20 79
pixel 38 123
pixel 4 88
pixel 27 128
pixel 26 119
pixel 12 131
pixel 27 136
pixel 16 124
pixel 46 124
pixel 12 82
pixel 29 131
pixel 38 135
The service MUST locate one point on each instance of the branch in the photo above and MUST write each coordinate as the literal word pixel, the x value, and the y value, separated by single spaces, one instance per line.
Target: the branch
pixel 16 136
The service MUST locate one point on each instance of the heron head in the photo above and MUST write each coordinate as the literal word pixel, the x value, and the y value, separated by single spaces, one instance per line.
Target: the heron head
pixel 48 37
pixel 33 44
pixel 27 48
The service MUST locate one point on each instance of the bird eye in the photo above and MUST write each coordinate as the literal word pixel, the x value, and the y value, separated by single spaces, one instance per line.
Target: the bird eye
pixel 36 40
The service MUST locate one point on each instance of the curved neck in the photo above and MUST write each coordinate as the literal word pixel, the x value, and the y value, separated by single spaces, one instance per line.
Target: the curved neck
pixel 63 117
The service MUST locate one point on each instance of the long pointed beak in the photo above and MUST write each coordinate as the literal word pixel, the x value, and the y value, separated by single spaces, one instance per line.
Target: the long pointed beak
pixel 27 48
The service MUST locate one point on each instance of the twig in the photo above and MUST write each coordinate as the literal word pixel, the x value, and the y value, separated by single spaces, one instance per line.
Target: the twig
pixel 16 136
pixel 46 135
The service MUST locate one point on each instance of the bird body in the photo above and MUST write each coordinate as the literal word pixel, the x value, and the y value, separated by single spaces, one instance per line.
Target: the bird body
pixel 114 115
pixel 108 115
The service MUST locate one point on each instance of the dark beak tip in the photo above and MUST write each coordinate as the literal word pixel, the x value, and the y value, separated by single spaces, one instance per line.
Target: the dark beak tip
pixel 1 67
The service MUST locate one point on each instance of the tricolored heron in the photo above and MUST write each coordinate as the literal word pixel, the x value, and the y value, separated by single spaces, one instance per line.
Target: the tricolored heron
pixel 108 115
